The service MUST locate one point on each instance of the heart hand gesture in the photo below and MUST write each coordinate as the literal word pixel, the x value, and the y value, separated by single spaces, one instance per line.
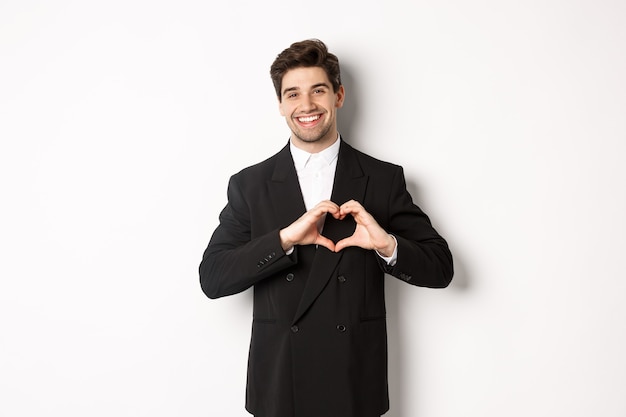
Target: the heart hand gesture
pixel 367 235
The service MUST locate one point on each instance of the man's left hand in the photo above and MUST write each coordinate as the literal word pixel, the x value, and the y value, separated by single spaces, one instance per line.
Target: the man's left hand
pixel 368 234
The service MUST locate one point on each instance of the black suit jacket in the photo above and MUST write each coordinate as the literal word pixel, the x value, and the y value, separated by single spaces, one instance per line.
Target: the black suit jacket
pixel 319 340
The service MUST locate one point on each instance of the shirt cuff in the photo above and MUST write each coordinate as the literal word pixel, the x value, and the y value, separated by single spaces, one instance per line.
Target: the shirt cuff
pixel 391 260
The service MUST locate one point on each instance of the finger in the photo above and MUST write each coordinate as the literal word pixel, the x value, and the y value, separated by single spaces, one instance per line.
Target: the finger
pixel 351 203
pixel 327 243
pixel 344 243
pixel 350 207
pixel 320 210
pixel 327 206
pixel 328 203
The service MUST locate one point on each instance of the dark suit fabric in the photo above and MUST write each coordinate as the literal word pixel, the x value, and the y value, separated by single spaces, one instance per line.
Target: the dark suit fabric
pixel 319 339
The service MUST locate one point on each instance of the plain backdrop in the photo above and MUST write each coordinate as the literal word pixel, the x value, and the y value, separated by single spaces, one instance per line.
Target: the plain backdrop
pixel 121 122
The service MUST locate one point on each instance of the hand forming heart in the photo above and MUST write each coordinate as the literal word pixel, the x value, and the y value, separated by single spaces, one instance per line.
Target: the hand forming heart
pixel 367 235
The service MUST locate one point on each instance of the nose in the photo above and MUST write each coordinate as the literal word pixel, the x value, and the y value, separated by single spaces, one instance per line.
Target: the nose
pixel 306 103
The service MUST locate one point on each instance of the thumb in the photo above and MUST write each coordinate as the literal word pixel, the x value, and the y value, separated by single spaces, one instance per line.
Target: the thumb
pixel 327 243
pixel 344 243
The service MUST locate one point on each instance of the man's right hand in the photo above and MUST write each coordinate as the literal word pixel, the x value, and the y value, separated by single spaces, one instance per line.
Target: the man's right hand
pixel 304 230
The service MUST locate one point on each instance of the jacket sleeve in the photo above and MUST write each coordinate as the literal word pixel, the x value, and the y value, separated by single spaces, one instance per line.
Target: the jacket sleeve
pixel 424 258
pixel 233 260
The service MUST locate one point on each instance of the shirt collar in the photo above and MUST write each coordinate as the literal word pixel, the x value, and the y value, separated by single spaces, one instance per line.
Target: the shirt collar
pixel 301 157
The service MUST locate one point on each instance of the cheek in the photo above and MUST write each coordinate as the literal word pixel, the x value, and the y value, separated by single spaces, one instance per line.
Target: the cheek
pixel 282 108
pixel 285 110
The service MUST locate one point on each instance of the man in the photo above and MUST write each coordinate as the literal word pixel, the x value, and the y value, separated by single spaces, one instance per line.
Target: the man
pixel 314 229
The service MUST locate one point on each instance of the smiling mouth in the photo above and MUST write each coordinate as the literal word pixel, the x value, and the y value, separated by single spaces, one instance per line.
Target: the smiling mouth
pixel 308 119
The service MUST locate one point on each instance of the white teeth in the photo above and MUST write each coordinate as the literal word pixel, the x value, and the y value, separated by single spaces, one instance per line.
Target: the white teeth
pixel 308 119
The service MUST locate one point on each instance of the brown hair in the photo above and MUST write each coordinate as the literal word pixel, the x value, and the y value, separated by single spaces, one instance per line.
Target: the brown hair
pixel 308 53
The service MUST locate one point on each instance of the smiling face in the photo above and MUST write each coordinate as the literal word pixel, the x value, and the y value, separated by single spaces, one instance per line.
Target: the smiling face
pixel 310 106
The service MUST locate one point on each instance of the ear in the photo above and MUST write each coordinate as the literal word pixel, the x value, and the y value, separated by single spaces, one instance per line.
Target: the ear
pixel 340 95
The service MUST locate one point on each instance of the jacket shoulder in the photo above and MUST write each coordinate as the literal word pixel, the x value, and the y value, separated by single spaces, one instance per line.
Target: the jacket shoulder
pixel 369 163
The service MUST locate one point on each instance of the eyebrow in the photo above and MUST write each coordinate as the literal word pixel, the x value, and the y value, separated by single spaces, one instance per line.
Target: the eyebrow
pixel 320 85
pixel 314 86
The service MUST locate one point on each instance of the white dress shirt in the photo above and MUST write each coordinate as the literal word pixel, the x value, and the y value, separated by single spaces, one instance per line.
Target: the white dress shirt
pixel 316 174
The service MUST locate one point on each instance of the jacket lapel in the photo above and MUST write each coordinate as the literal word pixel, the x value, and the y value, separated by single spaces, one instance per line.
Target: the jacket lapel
pixel 284 190
pixel 350 183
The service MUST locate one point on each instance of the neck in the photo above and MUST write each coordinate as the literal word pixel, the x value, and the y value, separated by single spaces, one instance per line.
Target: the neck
pixel 316 146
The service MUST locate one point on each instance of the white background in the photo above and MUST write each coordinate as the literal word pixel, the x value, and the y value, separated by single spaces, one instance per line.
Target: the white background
pixel 121 122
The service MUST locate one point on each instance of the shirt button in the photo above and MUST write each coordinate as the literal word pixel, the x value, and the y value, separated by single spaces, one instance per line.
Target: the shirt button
pixel 294 329
pixel 289 277
pixel 341 279
pixel 341 328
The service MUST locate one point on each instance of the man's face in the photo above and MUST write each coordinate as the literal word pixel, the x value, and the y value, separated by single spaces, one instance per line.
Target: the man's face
pixel 309 106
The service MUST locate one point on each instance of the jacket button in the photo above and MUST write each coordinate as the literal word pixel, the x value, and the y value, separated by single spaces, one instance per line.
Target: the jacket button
pixel 289 277
pixel 294 329
pixel 341 279
pixel 341 328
